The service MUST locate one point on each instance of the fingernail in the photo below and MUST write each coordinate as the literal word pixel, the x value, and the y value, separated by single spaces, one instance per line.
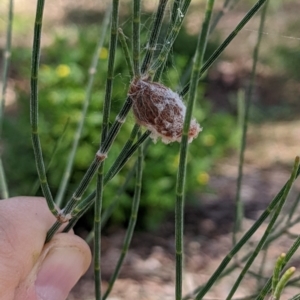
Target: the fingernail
pixel 59 272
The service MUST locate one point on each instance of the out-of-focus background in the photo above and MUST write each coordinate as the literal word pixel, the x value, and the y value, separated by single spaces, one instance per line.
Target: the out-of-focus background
pixel 70 33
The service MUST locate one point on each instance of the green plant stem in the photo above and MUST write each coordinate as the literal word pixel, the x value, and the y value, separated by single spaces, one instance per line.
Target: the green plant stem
pixel 106 139
pixel 227 6
pixel 267 231
pixel 6 61
pixel 175 10
pixel 136 23
pixel 123 154
pixel 289 255
pixel 239 211
pixel 176 13
pixel 105 127
pixel 97 233
pixel 132 222
pixel 85 105
pixel 86 203
pixel 169 41
pixel 110 70
pixel 181 175
pixel 227 41
pixel 113 131
pixel 3 184
pixel 125 49
pixel 296 297
pixel 277 270
pixel 203 290
pixel 262 267
pixel 34 108
pixel 282 282
pixel 151 46
pixel 293 209
pixel 36 185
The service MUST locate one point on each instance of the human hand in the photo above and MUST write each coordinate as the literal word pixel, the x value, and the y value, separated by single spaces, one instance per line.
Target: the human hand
pixel 30 269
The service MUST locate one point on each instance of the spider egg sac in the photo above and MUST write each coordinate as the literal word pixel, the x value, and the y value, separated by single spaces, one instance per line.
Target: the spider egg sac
pixel 160 110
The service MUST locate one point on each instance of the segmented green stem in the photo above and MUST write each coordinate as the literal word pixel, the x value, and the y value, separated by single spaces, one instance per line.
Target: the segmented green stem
pixel 125 49
pixel 203 290
pixel 113 131
pixel 227 41
pixel 132 222
pixel 34 108
pixel 110 69
pixel 85 204
pixel 227 6
pixel 239 213
pixel 177 17
pixel 86 102
pixel 97 233
pixel 36 184
pixel 123 154
pixel 106 138
pixel 105 127
pixel 170 39
pixel 289 255
pixel 181 175
pixel 267 231
pixel 175 10
pixel 151 46
pixel 136 23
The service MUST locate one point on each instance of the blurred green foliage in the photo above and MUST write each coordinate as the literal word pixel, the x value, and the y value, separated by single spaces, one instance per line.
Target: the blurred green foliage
pixel 63 76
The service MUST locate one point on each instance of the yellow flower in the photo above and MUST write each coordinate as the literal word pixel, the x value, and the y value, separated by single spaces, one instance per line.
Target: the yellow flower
pixel 63 71
pixel 203 178
pixel 103 53
pixel 209 140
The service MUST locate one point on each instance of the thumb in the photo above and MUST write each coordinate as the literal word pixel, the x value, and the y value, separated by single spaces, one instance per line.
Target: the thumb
pixel 64 260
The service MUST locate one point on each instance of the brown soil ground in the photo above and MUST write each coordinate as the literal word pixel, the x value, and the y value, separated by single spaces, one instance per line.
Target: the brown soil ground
pixel 149 268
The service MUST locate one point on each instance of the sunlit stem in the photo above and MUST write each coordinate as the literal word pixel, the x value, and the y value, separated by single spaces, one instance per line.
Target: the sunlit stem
pixel 34 109
pixel 267 231
pixel 92 71
pixel 97 233
pixel 85 204
pixel 170 39
pixel 151 45
pixel 277 270
pixel 125 49
pixel 282 282
pixel 227 41
pixel 113 130
pixel 220 270
pixel 181 175
pixel 136 23
pixel 132 222
pixel 105 127
pixel 239 213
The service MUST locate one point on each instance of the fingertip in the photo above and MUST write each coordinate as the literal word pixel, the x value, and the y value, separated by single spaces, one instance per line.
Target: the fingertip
pixel 64 260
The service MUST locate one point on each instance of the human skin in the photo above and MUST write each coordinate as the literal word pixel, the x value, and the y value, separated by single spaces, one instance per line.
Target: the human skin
pixel 29 268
